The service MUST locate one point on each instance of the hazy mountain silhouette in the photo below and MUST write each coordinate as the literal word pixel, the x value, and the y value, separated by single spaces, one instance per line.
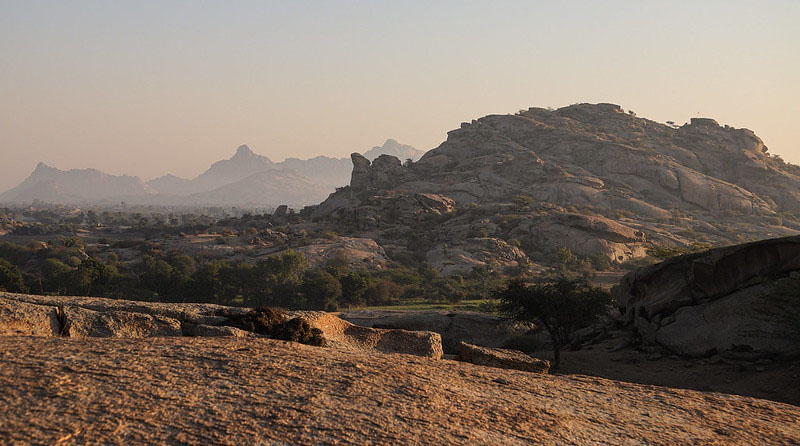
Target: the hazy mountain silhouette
pixel 394 148
pixel 76 185
pixel 246 178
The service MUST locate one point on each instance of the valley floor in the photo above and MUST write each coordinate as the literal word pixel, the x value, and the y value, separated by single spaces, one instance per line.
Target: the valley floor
pixel 260 391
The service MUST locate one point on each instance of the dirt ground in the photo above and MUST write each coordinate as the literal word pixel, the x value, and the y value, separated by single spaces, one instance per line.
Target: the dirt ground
pixel 259 391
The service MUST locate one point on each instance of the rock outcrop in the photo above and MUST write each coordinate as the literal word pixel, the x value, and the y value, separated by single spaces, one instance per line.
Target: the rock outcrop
pixel 262 391
pixel 22 314
pixel 19 318
pixel 588 177
pixel 741 298
pixel 384 172
pixel 361 252
pixel 343 334
pixel 501 358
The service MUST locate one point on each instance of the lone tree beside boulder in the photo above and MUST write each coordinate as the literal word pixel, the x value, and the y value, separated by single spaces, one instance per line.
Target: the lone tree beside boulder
pixel 560 304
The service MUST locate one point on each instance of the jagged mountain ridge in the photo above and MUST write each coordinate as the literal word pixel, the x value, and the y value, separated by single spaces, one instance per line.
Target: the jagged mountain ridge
pixel 589 177
pixel 394 148
pixel 50 184
pixel 244 179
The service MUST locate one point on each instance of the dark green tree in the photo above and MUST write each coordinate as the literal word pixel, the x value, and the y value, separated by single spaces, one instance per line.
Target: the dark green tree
pixel 11 278
pixel 354 288
pixel 560 304
pixel 321 290
pixel 276 281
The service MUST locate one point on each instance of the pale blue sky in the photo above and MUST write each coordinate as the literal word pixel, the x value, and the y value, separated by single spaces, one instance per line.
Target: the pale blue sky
pixel 149 87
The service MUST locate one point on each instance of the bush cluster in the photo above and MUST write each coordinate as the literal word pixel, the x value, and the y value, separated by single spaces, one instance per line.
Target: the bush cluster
pixel 274 322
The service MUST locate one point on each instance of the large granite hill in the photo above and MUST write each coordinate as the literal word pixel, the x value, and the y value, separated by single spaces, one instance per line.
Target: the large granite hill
pixel 590 177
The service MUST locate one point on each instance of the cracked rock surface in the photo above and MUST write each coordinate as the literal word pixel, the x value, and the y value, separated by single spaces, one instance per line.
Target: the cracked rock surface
pixel 260 391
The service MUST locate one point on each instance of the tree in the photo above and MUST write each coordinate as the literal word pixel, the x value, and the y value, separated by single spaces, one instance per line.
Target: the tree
pixel 354 287
pixel 11 278
pixel 276 280
pixel 561 305
pixel 321 290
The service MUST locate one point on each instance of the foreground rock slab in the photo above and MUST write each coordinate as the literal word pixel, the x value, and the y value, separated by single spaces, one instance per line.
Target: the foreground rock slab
pixel 261 391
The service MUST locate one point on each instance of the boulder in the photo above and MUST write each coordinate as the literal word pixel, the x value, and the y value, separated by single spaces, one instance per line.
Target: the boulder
pixel 454 327
pixel 18 318
pixel 501 358
pixel 730 299
pixel 342 334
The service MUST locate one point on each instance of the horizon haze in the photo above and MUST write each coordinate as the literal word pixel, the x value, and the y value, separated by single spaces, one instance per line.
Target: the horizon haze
pixel 148 88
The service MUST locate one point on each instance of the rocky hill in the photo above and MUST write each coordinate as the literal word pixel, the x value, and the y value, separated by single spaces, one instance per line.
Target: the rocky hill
pixel 592 178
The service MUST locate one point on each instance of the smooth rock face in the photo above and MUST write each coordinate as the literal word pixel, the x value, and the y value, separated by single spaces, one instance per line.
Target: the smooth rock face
pixel 731 299
pixel 501 358
pixel 453 327
pixel 208 314
pixel 17 318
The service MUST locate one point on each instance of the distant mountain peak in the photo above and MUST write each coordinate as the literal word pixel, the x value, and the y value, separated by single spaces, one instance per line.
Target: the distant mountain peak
pixel 244 151
pixel 394 148
pixel 44 169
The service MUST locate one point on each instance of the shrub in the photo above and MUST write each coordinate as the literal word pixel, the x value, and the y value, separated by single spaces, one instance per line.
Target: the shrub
pixel 330 235
pixel 258 320
pixel 272 322
pixel 383 292
pixel 298 330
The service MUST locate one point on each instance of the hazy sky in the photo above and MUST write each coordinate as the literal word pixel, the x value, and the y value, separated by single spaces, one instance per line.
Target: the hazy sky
pixel 150 87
